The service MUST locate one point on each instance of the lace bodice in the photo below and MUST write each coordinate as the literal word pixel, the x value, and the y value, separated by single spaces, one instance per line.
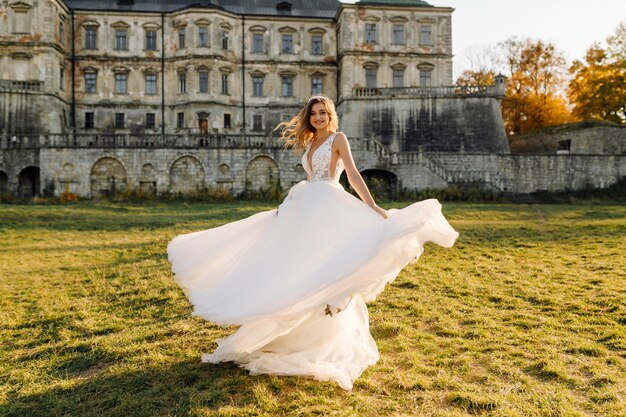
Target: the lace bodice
pixel 320 161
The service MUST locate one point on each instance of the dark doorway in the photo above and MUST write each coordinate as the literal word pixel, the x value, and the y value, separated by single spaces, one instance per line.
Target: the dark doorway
pixel 28 183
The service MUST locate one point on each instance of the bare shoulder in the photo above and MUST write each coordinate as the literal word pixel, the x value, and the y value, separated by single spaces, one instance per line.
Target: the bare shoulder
pixel 341 140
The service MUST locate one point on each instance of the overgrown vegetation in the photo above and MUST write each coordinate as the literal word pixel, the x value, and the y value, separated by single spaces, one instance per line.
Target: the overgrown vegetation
pixel 524 316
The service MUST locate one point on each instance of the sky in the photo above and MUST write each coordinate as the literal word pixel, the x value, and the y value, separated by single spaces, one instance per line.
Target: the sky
pixel 571 25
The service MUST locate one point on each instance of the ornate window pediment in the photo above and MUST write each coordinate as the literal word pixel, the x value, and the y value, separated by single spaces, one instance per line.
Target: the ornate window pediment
pixel 318 74
pixel 20 7
pixel 226 70
pixel 90 69
pixel 90 24
pixel 121 70
pixel 203 68
pixel 21 55
pixel 151 26
pixel 398 66
pixel 150 70
pixel 226 25
pixel 371 64
pixel 258 29
pixel 202 22
pixel 257 73
pixel 120 25
pixel 426 20
pixel 317 31
pixel 287 29
pixel 287 73
pixel 398 19
pixel 370 18
pixel 425 66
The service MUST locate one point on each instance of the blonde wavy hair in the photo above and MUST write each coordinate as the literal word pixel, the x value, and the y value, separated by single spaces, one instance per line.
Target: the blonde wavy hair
pixel 298 132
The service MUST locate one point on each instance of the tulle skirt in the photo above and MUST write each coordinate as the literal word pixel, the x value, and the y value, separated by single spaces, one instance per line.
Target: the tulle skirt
pixel 296 279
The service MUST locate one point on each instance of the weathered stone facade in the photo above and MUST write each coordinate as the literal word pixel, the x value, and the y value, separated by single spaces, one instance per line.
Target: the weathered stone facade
pixel 98 97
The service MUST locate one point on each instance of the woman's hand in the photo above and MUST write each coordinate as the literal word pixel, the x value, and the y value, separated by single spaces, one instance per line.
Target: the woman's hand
pixel 381 211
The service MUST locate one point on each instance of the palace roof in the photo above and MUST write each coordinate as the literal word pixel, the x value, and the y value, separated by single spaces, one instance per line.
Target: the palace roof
pixel 296 8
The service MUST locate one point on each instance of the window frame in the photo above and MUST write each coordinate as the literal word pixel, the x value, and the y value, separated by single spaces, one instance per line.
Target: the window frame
pixel 286 82
pixel 203 43
pixel 371 35
pixel 89 38
pixel 182 82
pixel 120 120
pixel 123 78
pixel 258 82
pixel 88 82
pixel 150 117
pixel 286 47
pixel 90 120
pixel 155 90
pixel 151 44
pixel 119 38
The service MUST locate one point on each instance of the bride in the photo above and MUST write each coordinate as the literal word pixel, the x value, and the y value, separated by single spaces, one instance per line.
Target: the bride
pixel 296 278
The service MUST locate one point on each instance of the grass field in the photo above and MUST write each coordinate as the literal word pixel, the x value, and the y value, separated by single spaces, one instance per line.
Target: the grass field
pixel 525 316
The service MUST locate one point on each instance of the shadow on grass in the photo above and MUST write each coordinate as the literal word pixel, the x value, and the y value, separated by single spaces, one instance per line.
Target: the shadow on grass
pixel 160 390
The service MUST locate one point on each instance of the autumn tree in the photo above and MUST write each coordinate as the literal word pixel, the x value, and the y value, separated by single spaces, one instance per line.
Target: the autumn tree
pixel 598 85
pixel 534 93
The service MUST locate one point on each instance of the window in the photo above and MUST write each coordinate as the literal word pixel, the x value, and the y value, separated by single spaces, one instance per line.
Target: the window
pixel 89 120
pixel 151 40
pixel 90 82
pixel 226 121
pixel 62 78
pixel 203 81
pixel 91 38
pixel 120 39
pixel 21 18
pixel 398 78
pixel 225 37
pixel 257 86
pixel 180 120
pixel 317 47
pixel 370 33
pixel 257 122
pixel 151 84
pixel 287 89
pixel 224 83
pixel 182 82
pixel 181 38
pixel 150 120
pixel 119 120
pixel 257 43
pixel 425 78
pixel 398 34
pixel 316 85
pixel 287 43
pixel 370 77
pixel 120 83
pixel 61 31
pixel 203 36
pixel 426 35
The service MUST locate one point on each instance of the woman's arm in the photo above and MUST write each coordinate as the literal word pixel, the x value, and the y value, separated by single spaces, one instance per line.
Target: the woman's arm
pixel 354 176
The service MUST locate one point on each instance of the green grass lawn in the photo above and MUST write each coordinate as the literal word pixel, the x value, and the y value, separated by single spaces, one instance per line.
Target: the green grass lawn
pixel 524 316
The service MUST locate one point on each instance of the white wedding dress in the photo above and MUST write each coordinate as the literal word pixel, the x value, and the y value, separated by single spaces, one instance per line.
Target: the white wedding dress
pixel 277 273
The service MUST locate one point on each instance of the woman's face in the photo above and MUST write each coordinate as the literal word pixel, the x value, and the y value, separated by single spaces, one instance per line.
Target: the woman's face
pixel 319 117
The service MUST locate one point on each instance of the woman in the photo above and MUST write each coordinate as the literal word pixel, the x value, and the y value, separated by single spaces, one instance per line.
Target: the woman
pixel 296 278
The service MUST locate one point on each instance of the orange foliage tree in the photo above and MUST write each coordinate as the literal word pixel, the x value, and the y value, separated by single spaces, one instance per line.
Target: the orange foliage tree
pixel 534 93
pixel 598 86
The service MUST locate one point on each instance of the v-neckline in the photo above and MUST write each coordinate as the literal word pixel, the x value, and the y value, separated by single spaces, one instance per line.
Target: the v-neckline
pixel 311 154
